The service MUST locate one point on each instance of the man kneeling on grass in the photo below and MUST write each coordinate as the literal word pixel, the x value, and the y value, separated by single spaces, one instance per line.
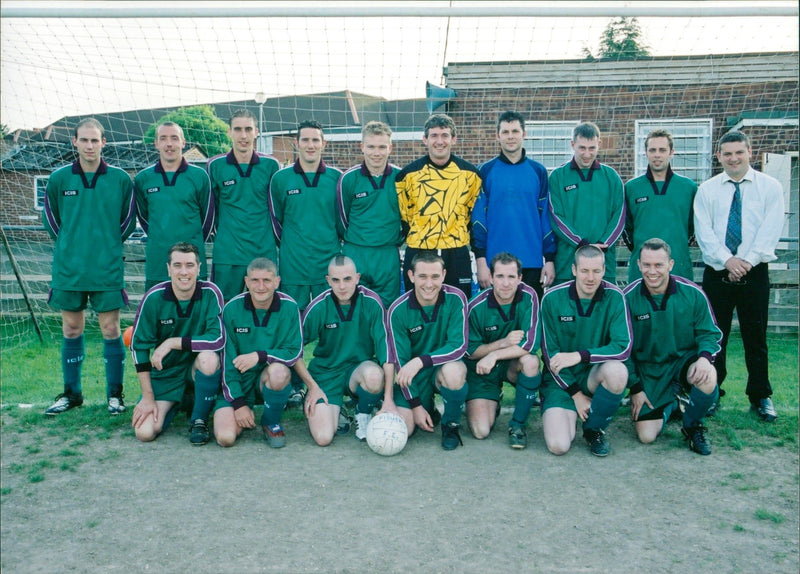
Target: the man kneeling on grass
pixel 262 342
pixel 351 356
pixel 180 321
pixel 675 341
pixel 586 336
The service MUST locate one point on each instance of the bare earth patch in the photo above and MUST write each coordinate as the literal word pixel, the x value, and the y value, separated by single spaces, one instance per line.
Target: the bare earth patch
pixel 114 505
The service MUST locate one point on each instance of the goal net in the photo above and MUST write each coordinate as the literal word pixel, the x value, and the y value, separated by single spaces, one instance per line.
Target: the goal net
pixel 701 71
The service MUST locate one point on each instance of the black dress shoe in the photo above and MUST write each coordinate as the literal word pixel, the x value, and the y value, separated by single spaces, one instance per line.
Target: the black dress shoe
pixel 765 409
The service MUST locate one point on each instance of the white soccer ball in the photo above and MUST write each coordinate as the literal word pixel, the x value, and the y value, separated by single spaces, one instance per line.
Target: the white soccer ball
pixel 387 434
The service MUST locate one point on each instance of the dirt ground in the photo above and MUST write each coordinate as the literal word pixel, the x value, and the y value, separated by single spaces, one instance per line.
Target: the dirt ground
pixel 171 507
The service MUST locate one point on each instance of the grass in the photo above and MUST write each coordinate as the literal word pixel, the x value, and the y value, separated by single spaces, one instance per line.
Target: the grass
pixel 32 377
pixel 763 514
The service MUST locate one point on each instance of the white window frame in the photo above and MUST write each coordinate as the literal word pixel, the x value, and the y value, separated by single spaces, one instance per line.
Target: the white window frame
pixel 681 130
pixel 38 199
pixel 534 139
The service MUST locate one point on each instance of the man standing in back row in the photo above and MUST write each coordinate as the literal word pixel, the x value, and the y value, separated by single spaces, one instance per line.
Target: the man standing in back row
pixel 587 205
pixel 659 204
pixel 174 204
pixel 369 216
pixel 89 211
pixel 738 219
pixel 511 213
pixel 240 182
pixel 436 194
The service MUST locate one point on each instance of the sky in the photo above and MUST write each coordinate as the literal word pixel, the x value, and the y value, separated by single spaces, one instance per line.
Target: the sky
pixel 52 67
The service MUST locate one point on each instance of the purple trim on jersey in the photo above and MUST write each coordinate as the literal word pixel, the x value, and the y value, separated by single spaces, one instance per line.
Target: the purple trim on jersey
pixel 458 353
pixel 695 286
pixel 209 219
pixel 343 217
pixel 667 178
pixel 298 169
pixel 367 292
pixel 563 227
pixel 288 362
pixel 50 217
pixel 627 352
pixel 393 358
pixel 277 228
pixel 157 288
pixel 530 333
pixel 219 343
pixel 130 215
pixel 545 355
pixel 617 231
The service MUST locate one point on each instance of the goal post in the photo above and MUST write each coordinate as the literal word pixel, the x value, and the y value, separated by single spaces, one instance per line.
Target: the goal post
pixel 713 66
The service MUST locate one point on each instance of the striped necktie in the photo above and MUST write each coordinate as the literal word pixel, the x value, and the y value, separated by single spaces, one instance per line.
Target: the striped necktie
pixel 733 235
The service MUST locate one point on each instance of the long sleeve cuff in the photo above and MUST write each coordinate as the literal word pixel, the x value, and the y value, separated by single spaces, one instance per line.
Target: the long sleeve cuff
pixel 144 367
pixel 585 356
pixel 186 343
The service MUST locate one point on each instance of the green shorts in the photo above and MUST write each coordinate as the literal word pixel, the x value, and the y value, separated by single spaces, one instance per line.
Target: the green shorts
pixel 425 382
pixel 379 268
pixel 335 383
pixel 486 386
pixel 302 294
pixel 229 279
pixel 661 394
pixel 74 301
pixel 170 385
pixel 554 396
pixel 249 382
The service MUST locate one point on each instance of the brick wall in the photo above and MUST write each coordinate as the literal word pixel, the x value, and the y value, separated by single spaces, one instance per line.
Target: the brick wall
pixel 615 110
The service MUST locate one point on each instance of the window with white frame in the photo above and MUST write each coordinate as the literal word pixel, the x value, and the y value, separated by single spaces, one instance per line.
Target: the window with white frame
pixel 39 189
pixel 549 142
pixel 693 146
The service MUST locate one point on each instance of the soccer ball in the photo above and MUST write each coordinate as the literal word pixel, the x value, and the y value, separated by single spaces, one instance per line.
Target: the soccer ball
pixel 127 336
pixel 387 434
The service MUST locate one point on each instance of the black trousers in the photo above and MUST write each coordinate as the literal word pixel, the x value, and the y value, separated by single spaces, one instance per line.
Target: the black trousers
pixel 750 299
pixel 457 263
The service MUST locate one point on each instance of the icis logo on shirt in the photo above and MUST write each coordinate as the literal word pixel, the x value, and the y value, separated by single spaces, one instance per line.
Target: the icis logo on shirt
pixel 70 193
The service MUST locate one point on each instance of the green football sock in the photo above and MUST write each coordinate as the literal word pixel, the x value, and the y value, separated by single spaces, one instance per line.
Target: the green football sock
pixel 274 403
pixel 453 403
pixel 206 388
pixel 604 406
pixel 114 357
pixel 527 388
pixel 366 401
pixel 72 355
pixel 699 403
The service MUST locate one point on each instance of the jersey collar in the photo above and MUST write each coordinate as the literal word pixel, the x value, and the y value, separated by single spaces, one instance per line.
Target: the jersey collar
pixel 505 159
pixel 672 288
pixel 77 169
pixel 598 296
pixel 320 170
pixel 654 185
pixel 413 303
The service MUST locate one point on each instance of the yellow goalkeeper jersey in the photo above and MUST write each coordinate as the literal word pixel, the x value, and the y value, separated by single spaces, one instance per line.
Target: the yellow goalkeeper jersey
pixel 436 202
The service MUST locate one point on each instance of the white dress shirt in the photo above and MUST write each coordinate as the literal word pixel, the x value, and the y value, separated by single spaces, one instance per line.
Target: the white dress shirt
pixel 762 218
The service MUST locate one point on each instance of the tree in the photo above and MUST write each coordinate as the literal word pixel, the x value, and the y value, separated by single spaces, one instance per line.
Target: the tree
pixel 3 130
pixel 621 40
pixel 200 126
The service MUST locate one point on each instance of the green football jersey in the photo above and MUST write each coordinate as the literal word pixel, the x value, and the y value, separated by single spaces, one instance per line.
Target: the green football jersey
pixel 369 214
pixel 666 329
pixel 437 334
pixel 586 206
pixel 345 334
pixel 274 334
pixel 489 321
pixel 198 322
pixel 303 214
pixel 89 215
pixel 241 196
pixel 661 209
pixel 599 329
pixel 173 207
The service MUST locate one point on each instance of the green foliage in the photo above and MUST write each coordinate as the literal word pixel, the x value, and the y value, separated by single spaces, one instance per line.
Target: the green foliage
pixel 200 126
pixel 621 40
pixel 3 130
pixel 764 514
